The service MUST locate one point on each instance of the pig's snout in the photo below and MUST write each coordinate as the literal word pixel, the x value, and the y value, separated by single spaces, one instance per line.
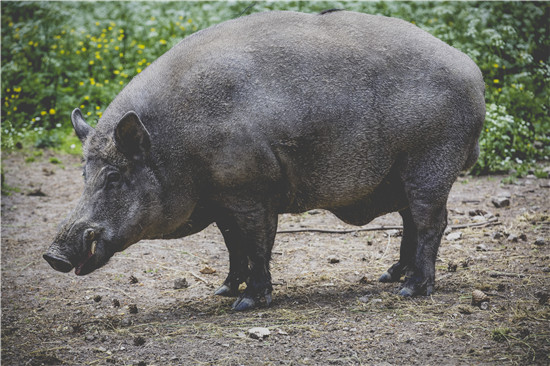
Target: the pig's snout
pixel 58 261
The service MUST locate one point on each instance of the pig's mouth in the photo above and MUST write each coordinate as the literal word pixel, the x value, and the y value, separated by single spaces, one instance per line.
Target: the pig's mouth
pixel 87 265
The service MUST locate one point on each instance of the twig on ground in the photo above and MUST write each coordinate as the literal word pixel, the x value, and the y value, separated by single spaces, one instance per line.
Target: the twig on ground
pixel 492 221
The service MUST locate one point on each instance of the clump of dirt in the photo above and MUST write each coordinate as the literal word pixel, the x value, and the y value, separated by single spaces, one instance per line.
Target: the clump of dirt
pixel 324 311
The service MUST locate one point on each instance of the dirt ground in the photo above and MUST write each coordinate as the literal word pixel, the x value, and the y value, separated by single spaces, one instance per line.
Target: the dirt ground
pixel 328 307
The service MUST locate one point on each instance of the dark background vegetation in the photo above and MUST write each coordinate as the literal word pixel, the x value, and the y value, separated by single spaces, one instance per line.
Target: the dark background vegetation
pixel 60 55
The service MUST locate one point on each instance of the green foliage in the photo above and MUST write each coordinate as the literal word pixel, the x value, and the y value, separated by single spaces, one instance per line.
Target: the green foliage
pixel 60 55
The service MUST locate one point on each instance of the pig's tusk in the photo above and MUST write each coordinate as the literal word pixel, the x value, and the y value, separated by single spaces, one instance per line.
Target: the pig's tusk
pixel 92 249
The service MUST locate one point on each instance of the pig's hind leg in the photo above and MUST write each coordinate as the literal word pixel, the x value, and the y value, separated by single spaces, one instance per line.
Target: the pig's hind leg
pixel 427 180
pixel 407 250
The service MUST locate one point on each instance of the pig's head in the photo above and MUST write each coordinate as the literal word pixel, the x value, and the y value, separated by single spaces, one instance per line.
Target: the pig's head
pixel 121 198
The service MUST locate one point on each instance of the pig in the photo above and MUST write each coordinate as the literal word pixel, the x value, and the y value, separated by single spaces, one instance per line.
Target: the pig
pixel 279 112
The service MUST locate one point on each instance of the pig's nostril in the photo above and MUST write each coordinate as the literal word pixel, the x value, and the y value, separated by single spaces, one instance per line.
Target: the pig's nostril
pixel 59 264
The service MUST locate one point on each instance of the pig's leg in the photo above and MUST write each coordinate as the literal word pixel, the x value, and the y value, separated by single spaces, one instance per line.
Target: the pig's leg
pixel 238 260
pixel 407 251
pixel 429 212
pixel 256 230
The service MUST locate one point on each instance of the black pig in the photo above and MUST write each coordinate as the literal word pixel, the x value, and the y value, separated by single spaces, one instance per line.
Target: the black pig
pixel 280 112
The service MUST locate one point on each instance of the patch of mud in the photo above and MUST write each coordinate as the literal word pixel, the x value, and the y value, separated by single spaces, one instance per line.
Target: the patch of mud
pixel 328 307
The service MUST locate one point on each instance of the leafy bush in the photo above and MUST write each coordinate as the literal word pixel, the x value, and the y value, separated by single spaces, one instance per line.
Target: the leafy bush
pixel 60 55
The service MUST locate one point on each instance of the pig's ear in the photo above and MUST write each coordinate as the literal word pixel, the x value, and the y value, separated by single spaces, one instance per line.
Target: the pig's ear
pixel 80 126
pixel 132 138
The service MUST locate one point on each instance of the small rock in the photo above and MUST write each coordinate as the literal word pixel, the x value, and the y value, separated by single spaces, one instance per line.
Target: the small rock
pixel 484 305
pixel 258 333
pixel 365 280
pixel 133 308
pixel 101 349
pixel 90 338
pixel 207 270
pixel 365 299
pixel 497 235
pixel 464 310
pixel 452 267
pixel 139 341
pixel 545 184
pixel 540 242
pixel 133 280
pixel 479 218
pixel 542 296
pixel 523 237
pixel 477 212
pixel 454 236
pixel 37 193
pixel 500 201
pixel 281 332
pixel 116 303
pixel 513 238
pixel 481 248
pixel 332 259
pixel 97 298
pixel 181 283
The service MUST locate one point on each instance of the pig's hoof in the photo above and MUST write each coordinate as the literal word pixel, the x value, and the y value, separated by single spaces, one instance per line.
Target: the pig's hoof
pixel 246 302
pixel 386 277
pixel 226 291
pixel 243 303
pixel 406 292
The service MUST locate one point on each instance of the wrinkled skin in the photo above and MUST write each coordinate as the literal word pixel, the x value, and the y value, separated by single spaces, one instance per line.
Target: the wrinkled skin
pixel 276 113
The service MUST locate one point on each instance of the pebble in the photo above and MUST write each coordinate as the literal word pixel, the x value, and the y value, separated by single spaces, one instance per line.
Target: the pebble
pixel 258 333
pixel 116 303
pixel 332 259
pixel 481 248
pixel 497 235
pixel 452 267
pixel 364 299
pixel 513 238
pixel 133 280
pixel 139 341
pixel 97 298
pixel 501 201
pixel 540 242
pixel 207 270
pixel 181 283
pixel 133 308
pixel 454 236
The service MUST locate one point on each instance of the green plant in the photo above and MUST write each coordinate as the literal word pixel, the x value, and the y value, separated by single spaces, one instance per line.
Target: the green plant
pixel 52 64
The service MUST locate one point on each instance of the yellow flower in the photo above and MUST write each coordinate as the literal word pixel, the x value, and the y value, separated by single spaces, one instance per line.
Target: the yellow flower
pixel 43 113
pixel 153 30
pixel 82 106
pixel 116 72
pixel 52 111
pixel 14 109
pixel 138 70
pixel 121 82
pixel 495 66
pixel 81 83
pixel 84 49
pixel 92 81
pixel 16 89
pixel 96 23
pixel 86 97
pixel 91 62
pixel 190 21
pixel 141 46
pixel 97 107
pixel 121 55
pixel 162 41
pixel 496 81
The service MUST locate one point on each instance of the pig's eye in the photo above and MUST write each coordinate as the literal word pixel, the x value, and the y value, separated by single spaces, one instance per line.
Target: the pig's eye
pixel 113 179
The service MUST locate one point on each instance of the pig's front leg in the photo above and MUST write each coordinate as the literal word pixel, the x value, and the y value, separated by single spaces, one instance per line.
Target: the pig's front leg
pixel 253 228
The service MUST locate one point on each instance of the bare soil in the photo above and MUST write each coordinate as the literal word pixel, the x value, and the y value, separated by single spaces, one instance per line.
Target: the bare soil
pixel 328 307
